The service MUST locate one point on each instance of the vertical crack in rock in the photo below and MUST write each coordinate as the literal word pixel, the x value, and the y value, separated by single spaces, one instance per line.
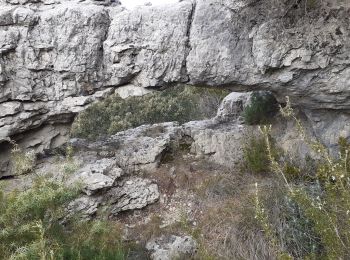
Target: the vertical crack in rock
pixel 185 77
pixel 102 49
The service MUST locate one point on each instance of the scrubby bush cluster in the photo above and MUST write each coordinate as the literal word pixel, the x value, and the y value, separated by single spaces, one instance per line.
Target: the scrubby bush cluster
pixel 262 108
pixel 33 222
pixel 182 104
pixel 318 211
pixel 31 227
pixel 255 155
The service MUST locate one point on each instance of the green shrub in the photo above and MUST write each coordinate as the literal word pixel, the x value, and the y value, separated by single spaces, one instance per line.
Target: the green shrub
pixel 292 172
pixel 324 204
pixel 30 227
pixel 255 155
pixel 286 226
pixel 182 104
pixel 262 108
pixel 23 215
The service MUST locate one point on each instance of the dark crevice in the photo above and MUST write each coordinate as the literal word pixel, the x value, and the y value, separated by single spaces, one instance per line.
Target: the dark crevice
pixel 184 73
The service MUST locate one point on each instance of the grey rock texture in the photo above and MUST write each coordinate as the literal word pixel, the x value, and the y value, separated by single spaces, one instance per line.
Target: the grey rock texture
pixel 172 247
pixel 271 45
pixel 127 194
pixel 143 148
pixel 85 206
pixel 59 56
pixel 218 142
pixel 104 187
pixel 136 149
pixel 148 46
pixel 232 106
pixel 99 175
pixel 132 193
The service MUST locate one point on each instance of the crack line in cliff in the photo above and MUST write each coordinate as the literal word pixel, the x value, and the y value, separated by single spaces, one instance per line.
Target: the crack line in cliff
pixel 185 77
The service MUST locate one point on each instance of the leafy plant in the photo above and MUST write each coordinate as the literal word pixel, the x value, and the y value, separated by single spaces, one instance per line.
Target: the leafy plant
pixel 255 155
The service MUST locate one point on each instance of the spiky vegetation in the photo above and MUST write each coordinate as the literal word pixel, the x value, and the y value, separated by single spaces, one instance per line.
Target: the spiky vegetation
pixel 324 203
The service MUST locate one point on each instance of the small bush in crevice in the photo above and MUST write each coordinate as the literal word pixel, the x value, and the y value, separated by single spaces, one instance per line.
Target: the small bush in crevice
pixel 262 108
pixel 182 104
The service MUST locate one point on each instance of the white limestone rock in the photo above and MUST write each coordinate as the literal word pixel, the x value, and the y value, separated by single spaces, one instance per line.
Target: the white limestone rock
pixel 232 106
pixel 172 247
pixel 97 176
pixel 132 193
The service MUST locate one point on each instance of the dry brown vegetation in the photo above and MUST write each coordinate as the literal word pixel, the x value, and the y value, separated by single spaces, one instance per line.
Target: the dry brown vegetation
pixel 209 202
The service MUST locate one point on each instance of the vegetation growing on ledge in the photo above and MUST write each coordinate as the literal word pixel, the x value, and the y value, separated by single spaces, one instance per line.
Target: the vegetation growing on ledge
pixel 262 108
pixel 181 103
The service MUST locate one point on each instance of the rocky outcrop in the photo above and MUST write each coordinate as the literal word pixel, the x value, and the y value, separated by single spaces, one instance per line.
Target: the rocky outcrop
pixel 102 174
pixel 143 149
pixel 135 149
pixel 125 194
pixel 56 57
pixel 104 186
pixel 132 193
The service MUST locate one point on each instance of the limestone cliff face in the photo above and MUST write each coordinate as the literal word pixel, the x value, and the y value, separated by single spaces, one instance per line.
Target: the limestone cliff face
pixel 58 56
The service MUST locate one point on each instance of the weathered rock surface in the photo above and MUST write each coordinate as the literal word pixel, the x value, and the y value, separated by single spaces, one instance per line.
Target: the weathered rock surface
pixel 58 56
pixel 136 149
pixel 143 148
pixel 99 175
pixel 232 106
pixel 220 143
pixel 105 187
pixel 67 49
pixel 85 206
pixel 148 46
pixel 132 193
pixel 172 247
pixel 126 194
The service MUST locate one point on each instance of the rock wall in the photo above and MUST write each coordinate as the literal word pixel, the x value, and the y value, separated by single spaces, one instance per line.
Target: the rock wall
pixel 59 56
